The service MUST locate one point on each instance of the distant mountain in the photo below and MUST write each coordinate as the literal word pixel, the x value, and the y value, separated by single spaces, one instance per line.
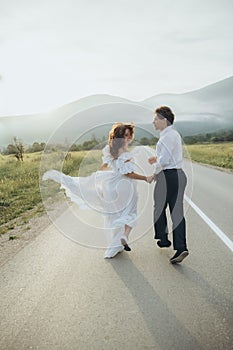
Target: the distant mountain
pixel 205 110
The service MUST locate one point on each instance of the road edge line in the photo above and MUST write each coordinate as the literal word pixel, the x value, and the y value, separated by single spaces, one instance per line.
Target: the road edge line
pixel 211 224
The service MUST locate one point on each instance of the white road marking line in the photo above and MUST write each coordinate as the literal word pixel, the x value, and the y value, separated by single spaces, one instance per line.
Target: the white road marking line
pixel 212 225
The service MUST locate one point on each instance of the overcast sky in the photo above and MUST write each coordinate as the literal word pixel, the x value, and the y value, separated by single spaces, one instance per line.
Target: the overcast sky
pixel 53 52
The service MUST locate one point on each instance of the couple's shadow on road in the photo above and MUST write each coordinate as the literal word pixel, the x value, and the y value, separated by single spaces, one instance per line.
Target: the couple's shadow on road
pixel 165 328
pixel 212 296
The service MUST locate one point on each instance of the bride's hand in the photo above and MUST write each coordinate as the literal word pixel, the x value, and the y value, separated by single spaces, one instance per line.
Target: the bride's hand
pixel 150 179
pixel 152 160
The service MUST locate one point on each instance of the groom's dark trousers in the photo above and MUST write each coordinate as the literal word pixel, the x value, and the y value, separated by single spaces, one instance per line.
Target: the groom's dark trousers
pixel 169 190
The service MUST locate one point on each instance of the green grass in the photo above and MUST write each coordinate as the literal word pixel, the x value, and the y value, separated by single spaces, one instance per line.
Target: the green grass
pixel 220 154
pixel 19 181
pixel 19 190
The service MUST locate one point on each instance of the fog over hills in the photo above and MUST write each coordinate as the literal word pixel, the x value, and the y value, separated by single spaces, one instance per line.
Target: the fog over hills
pixel 205 110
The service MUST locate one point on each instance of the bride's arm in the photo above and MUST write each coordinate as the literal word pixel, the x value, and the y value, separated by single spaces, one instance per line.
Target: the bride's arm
pixel 136 176
pixel 104 166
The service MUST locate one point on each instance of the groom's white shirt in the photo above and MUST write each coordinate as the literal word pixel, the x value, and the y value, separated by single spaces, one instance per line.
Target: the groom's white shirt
pixel 169 150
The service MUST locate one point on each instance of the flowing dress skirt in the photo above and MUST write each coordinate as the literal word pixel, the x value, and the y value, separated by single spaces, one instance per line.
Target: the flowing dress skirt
pixel 111 194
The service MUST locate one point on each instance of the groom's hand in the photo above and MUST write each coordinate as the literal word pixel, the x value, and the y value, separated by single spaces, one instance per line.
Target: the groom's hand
pixel 150 179
pixel 152 160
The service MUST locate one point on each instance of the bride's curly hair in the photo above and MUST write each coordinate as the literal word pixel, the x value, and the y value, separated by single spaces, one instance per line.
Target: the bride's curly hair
pixel 116 137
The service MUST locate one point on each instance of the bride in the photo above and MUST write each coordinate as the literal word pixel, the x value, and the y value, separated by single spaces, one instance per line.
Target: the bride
pixel 114 190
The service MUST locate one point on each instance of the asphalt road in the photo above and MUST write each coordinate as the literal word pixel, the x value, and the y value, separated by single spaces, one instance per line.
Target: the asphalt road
pixel 56 294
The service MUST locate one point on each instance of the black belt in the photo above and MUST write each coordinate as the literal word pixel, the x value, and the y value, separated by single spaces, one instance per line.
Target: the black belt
pixel 173 169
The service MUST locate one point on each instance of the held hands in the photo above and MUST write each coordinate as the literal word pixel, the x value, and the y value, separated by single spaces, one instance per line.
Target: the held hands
pixel 152 160
pixel 150 179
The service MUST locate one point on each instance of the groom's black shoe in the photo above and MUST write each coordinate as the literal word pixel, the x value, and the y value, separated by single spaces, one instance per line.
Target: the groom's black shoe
pixel 164 243
pixel 179 256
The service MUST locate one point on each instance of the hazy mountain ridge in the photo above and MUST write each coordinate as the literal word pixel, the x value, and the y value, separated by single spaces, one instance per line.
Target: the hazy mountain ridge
pixel 204 110
pixel 212 99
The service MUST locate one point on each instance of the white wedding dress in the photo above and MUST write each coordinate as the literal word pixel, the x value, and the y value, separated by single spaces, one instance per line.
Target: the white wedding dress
pixel 109 192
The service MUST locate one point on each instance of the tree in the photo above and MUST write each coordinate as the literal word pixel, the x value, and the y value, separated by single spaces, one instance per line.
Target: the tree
pixel 10 149
pixel 19 149
pixel 36 147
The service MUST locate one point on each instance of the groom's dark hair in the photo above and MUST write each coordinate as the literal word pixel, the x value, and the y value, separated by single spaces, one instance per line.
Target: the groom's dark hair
pixel 165 112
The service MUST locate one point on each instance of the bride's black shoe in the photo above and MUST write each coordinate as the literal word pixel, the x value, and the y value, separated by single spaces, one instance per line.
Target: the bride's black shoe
pixel 124 242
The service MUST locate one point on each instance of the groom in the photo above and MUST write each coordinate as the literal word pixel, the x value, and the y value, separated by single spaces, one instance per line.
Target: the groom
pixel 170 185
